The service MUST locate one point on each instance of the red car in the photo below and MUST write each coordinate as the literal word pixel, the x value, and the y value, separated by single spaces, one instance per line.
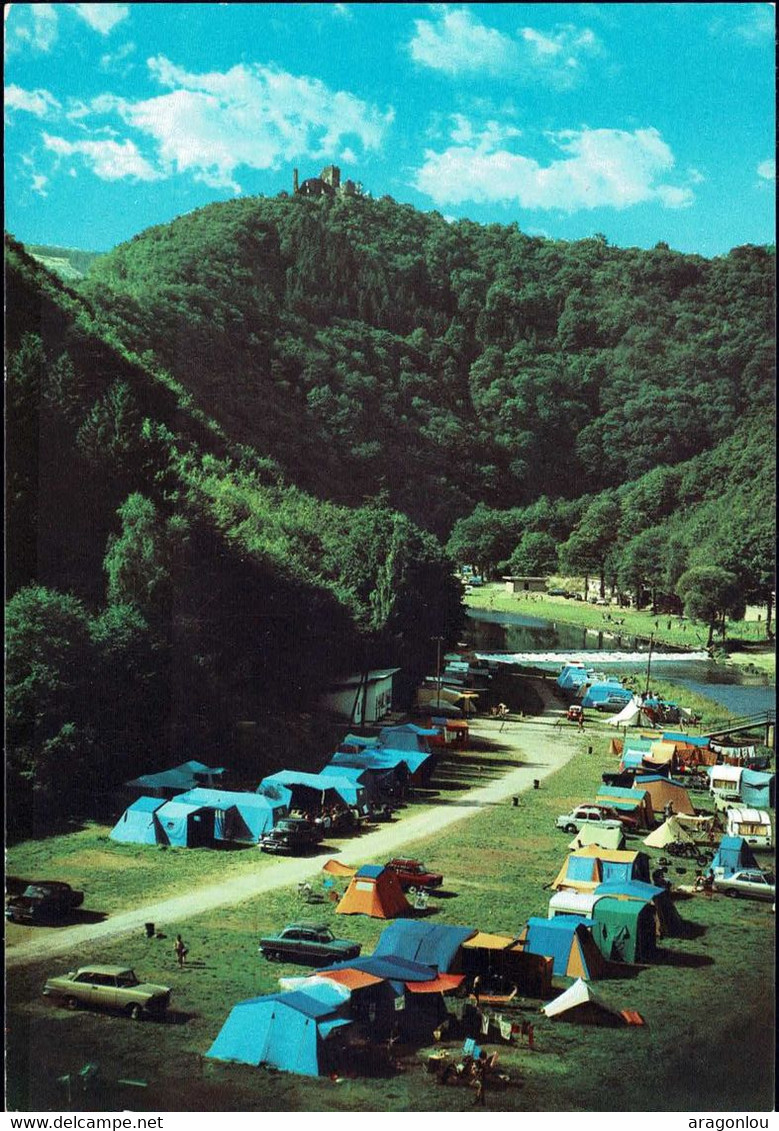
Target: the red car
pixel 413 874
pixel 629 823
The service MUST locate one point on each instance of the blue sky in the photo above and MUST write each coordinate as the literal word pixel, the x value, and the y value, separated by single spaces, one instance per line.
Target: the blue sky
pixel 645 122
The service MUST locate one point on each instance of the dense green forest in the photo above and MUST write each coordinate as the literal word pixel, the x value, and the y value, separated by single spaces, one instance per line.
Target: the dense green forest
pixel 246 450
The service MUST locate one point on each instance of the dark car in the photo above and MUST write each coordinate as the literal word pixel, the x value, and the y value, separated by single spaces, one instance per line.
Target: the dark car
pixel 292 835
pixel 48 901
pixel 413 874
pixel 310 944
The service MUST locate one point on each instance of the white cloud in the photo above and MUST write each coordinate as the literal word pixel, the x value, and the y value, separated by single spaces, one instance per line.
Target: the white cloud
pixel 109 160
pixel 118 60
pixel 599 168
pixel 211 124
pixel 31 25
pixel 459 43
pixel 39 182
pixel 767 170
pixel 102 17
pixel 38 102
pixel 342 10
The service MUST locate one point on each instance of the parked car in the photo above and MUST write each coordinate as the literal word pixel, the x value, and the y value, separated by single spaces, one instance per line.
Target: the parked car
pixel 44 901
pixel 413 874
pixel 292 835
pixel 310 944
pixel 630 824
pixel 591 814
pixel 109 987
pixel 750 883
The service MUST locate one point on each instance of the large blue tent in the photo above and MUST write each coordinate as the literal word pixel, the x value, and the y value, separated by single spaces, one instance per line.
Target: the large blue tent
pixel 186 826
pixel 431 944
pixel 238 816
pixel 288 1031
pixel 138 824
pixel 299 790
pixel 169 783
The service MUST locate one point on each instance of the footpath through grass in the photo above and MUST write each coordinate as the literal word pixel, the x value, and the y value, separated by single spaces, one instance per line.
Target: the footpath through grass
pixel 708 1044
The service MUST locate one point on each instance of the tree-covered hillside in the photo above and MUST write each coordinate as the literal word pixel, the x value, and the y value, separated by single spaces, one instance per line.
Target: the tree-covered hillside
pixel 367 346
pixel 236 451
pixel 165 583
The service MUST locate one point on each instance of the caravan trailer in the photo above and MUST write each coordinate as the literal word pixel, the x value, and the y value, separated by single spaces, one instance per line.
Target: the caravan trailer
pixel 754 825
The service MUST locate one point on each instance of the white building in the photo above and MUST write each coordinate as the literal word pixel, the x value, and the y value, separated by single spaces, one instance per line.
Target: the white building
pixel 362 698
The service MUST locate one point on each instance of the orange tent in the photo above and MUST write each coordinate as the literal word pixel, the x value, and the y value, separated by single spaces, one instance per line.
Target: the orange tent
pixel 336 868
pixel 374 891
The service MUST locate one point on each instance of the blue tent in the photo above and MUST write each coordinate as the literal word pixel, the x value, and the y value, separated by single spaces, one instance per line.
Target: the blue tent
pixel 606 694
pixel 186 826
pixel 758 790
pixel 238 816
pixel 430 944
pixel 300 790
pixel 406 737
pixel 138 824
pixel 286 1030
pixel 568 941
pixel 689 739
pixel 732 855
pixel 169 783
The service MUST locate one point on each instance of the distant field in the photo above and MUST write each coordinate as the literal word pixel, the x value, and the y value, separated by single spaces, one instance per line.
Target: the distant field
pixel 708 1043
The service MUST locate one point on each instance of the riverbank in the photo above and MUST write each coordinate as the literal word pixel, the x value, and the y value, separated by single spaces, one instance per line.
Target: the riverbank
pixel 745 645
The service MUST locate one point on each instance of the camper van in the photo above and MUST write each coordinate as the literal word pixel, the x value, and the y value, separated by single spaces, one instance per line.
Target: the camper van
pixel 725 784
pixel 754 825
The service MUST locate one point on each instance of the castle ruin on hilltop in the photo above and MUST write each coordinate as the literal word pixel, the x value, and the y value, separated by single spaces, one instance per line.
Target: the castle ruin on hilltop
pixel 328 183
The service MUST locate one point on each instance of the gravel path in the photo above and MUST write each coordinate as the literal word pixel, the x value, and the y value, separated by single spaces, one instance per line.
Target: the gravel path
pixel 545 747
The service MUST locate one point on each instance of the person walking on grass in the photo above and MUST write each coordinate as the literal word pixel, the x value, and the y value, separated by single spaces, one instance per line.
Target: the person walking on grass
pixel 181 950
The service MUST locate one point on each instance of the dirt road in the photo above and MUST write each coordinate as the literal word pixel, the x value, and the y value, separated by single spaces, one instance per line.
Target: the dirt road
pixel 538 742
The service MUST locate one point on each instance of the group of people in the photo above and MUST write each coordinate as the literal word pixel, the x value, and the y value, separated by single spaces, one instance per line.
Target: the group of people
pixel 474 1071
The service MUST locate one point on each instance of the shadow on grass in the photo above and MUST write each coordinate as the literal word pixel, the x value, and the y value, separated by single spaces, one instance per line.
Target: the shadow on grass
pixel 682 958
pixel 177 1017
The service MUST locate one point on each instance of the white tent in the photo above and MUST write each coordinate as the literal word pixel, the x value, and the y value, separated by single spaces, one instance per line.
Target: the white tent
pixel 579 1003
pixel 593 832
pixel 670 832
pixel 629 716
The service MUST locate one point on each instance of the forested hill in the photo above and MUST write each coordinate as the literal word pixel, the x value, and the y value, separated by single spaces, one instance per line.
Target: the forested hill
pixel 165 583
pixel 370 347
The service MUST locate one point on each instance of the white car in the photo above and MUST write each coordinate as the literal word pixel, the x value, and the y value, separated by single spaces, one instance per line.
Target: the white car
pixel 749 882
pixel 591 814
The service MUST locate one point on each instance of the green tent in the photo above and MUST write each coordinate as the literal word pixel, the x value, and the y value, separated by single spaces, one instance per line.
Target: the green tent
pixel 624 929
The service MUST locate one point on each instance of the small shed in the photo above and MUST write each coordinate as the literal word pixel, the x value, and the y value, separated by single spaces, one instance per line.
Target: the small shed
pixel 361 698
pixel 516 584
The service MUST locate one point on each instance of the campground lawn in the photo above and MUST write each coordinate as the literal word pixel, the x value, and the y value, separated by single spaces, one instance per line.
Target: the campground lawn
pixel 708 1003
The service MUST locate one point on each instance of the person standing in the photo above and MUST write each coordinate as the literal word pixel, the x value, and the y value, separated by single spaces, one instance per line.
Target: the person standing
pixel 482 1066
pixel 181 950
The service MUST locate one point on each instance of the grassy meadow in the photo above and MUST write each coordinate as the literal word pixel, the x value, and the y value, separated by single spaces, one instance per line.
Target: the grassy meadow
pixel 708 1041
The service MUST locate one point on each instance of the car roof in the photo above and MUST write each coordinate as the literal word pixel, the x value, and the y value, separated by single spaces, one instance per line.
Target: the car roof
pixel 308 925
pixel 100 969
pixel 405 860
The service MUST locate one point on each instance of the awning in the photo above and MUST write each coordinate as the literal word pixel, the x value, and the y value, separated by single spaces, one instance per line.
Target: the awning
pixel 483 941
pixel 353 979
pixel 325 1028
pixel 336 868
pixel 443 984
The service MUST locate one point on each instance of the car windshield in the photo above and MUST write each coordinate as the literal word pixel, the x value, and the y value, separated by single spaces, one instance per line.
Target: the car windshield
pixel 126 978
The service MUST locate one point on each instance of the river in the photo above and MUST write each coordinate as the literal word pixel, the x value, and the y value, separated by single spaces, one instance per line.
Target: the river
pixel 548 644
